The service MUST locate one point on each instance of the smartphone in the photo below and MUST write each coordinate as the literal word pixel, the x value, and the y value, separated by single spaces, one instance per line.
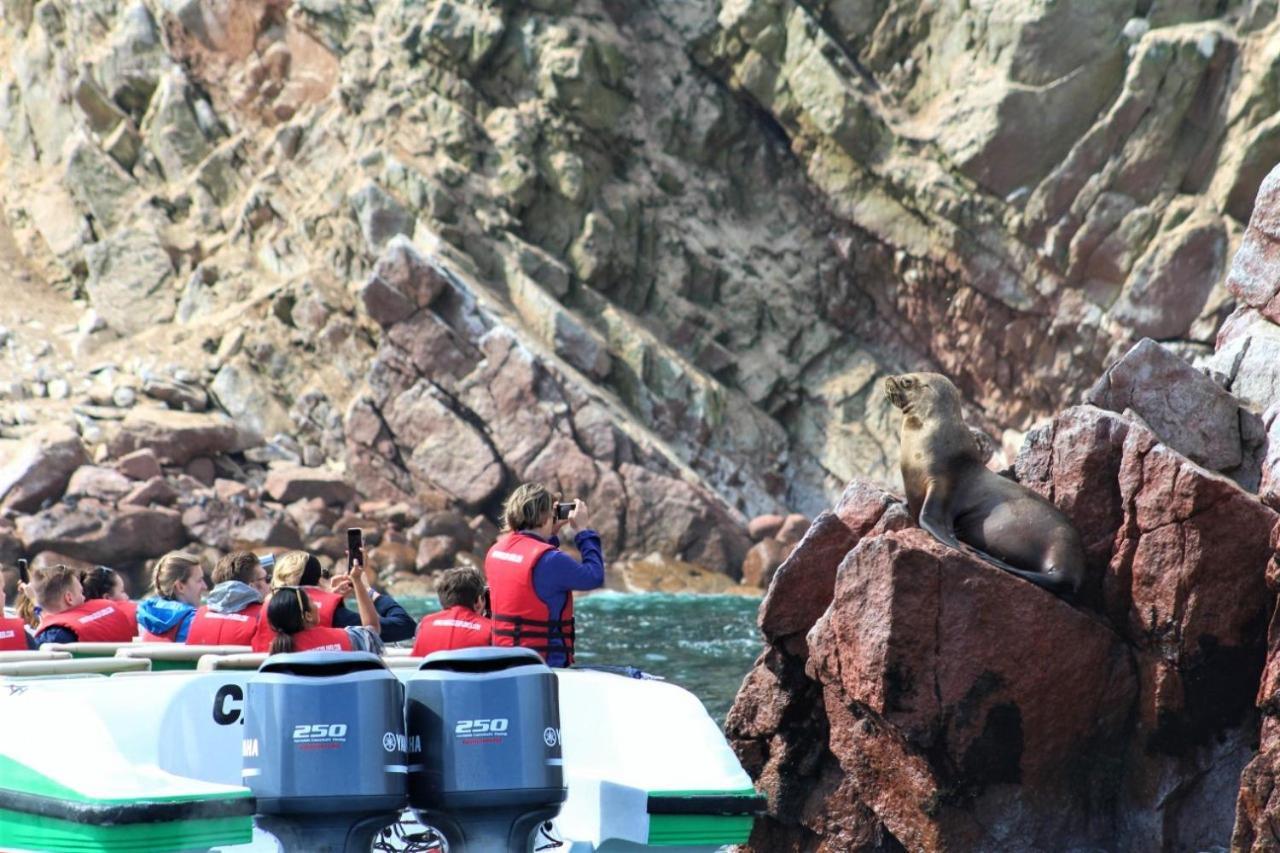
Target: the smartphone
pixel 355 547
pixel 23 574
pixel 563 510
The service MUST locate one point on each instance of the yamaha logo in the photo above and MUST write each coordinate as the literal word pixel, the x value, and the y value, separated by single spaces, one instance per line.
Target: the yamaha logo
pixel 389 742
pixel 550 736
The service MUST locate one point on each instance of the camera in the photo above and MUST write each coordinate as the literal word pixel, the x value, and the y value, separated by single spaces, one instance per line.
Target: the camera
pixel 267 561
pixel 563 509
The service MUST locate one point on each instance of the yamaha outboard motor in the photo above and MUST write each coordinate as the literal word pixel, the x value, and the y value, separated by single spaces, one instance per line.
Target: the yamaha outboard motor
pixel 324 749
pixel 484 747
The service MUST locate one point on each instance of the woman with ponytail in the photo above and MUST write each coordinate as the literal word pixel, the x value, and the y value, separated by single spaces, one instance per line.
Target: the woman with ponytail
pixel 295 623
pixel 179 582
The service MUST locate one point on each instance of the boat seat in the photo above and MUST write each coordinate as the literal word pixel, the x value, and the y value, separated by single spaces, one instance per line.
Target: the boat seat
pixel 212 663
pixel 73 666
pixel 165 656
pixel 14 657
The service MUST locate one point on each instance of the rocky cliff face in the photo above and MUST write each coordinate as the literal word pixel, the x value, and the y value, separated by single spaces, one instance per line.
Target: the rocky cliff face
pixel 910 696
pixel 710 227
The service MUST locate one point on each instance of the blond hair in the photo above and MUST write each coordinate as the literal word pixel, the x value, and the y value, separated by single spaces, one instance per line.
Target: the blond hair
pixel 172 568
pixel 528 507
pixel 291 570
pixel 51 583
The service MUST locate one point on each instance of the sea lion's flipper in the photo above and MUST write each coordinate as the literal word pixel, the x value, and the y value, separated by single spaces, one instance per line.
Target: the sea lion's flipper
pixel 935 516
pixel 1052 583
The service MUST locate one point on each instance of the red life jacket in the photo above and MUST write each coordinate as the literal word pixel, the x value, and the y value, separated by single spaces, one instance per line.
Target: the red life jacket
pixel 13 635
pixel 210 628
pixel 325 603
pixel 456 628
pixel 312 639
pixel 520 618
pixel 97 621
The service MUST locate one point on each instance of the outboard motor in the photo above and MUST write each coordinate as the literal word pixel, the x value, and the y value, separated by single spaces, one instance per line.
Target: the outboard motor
pixel 484 747
pixel 324 749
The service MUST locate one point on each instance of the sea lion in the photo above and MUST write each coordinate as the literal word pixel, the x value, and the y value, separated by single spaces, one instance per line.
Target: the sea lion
pixel 960 503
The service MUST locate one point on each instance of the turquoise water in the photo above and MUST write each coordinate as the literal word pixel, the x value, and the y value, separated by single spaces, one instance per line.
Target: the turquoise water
pixel 704 643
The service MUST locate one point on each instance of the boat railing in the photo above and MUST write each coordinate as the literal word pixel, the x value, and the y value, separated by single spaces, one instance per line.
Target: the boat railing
pixel 171 656
pixel 73 666
pixel 15 657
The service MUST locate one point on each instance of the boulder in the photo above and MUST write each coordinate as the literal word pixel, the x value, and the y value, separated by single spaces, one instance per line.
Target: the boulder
pixel 1170 284
pixel 139 465
pixel 200 469
pixel 402 282
pixel 98 534
pixel 1186 585
pixel 804 583
pixel 105 484
pixel 952 704
pixel 392 558
pixel 1269 490
pixel 1253 277
pixel 287 485
pixel 275 532
pixel 446 450
pixel 41 469
pixel 1188 411
pixel 154 492
pixel 178 395
pixel 448 523
pixel 130 280
pixel 1257 809
pixel 762 562
pixel 246 396
pixel 435 552
pixel 175 437
pixel 764 527
pixel 793 529
pixel 380 215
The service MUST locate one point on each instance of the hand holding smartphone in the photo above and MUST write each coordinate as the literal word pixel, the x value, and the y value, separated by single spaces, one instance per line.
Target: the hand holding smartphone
pixel 23 575
pixel 355 547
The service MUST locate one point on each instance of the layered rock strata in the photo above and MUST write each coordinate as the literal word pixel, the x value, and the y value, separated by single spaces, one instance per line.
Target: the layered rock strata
pixel 728 218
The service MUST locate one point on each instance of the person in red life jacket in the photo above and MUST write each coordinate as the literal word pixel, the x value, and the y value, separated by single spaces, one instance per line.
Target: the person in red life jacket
pixel 66 617
pixel 179 582
pixel 459 625
pixel 103 582
pixel 531 581
pixel 13 631
pixel 295 622
pixel 231 614
pixel 303 569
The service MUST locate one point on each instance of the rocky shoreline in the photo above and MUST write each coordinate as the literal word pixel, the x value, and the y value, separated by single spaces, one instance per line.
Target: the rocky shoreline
pixel 911 696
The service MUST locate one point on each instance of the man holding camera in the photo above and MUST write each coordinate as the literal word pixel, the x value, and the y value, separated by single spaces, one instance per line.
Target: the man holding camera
pixel 531 581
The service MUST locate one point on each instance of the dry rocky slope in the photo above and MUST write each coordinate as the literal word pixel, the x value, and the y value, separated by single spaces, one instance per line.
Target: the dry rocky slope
pixel 911 697
pixel 658 253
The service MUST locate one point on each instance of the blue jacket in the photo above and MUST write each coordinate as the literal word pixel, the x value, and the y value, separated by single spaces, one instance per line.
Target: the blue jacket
pixel 557 574
pixel 159 615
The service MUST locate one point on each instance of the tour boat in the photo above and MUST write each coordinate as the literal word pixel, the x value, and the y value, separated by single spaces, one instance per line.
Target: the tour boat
pixel 132 747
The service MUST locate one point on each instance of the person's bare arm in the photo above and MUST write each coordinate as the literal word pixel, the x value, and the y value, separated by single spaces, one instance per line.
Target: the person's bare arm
pixel 368 613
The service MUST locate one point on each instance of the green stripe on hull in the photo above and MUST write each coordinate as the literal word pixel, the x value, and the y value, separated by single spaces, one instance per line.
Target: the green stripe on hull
pixel 32 832
pixel 16 776
pixel 676 830
pixel 708 792
pixel 172 665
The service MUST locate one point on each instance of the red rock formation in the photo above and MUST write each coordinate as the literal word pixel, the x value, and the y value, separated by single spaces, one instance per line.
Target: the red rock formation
pixel 912 693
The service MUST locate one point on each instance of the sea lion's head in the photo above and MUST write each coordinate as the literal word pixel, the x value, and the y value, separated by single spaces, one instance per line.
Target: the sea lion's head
pixel 923 394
